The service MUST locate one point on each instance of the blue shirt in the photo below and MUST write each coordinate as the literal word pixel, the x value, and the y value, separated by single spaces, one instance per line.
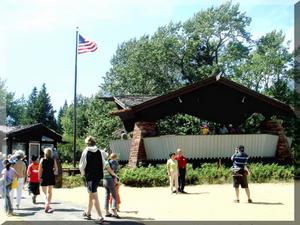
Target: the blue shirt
pixel 239 159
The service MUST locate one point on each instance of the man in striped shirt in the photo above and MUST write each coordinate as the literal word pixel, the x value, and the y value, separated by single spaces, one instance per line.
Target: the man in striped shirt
pixel 240 172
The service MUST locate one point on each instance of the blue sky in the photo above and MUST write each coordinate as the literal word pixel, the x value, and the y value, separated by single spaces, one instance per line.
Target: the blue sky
pixel 37 41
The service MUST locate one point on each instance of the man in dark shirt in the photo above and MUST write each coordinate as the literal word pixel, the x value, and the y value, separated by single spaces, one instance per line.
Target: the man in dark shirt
pixel 181 169
pixel 240 172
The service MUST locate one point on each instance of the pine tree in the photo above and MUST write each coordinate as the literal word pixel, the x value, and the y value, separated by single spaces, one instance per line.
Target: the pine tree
pixel 61 112
pixel 39 108
pixel 45 111
pixel 31 109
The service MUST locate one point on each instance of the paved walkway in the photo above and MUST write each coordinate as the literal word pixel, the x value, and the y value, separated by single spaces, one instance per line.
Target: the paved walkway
pixel 63 211
pixel 271 202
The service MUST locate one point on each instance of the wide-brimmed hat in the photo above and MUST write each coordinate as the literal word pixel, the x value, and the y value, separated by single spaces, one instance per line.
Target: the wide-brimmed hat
pixel 20 154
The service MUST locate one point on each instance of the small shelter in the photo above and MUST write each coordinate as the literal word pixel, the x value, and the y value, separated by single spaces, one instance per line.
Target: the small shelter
pixel 214 99
pixel 31 139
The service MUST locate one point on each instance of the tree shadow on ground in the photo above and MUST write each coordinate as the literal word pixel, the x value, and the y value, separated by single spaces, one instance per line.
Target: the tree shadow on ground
pixel 52 203
pixel 128 211
pixel 32 209
pixel 267 203
pixel 196 193
pixel 90 222
pixel 24 214
pixel 68 210
pixel 130 218
pixel 123 222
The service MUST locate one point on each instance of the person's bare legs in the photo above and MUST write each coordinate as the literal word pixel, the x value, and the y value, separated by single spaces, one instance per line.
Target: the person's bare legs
pixel 49 196
pixel 90 205
pixel 237 193
pixel 44 189
pixel 97 204
pixel 248 194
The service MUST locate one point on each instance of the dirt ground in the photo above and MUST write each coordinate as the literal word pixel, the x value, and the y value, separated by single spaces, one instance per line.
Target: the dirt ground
pixel 271 202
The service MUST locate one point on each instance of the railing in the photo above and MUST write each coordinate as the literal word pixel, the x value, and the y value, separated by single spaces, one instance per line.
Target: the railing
pixel 201 146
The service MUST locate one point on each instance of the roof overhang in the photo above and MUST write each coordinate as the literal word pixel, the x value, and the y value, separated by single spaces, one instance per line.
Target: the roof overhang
pixel 215 99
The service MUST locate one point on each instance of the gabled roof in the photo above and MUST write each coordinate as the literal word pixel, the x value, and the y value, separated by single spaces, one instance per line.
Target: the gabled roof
pixel 215 99
pixel 34 129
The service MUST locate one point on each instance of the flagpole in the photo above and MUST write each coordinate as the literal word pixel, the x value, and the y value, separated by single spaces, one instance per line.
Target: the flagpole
pixel 75 101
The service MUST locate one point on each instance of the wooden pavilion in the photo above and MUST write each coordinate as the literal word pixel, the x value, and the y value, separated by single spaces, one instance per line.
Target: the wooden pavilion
pixel 214 99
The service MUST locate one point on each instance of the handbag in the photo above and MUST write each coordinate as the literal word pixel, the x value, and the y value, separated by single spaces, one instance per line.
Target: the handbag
pixel 14 183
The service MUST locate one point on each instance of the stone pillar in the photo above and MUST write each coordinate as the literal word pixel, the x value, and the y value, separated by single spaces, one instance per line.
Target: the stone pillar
pixel 283 153
pixel 137 149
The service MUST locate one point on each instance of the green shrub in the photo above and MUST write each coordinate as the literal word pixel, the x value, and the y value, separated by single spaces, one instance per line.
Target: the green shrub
pixel 270 172
pixel 208 173
pixel 72 181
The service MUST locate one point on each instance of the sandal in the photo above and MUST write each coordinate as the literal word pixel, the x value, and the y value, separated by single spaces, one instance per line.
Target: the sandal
pixel 236 201
pixel 116 216
pixel 109 215
pixel 249 201
pixel 49 210
pixel 99 220
pixel 86 216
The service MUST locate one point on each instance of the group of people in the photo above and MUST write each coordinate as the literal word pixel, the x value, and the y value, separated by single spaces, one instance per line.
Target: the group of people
pixel 14 174
pixel 230 129
pixel 96 165
pixel 177 171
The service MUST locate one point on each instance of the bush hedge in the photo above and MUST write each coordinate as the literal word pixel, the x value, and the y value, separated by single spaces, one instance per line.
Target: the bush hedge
pixel 72 181
pixel 208 173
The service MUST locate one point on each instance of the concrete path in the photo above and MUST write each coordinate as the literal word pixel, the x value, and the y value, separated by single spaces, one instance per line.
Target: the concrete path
pixel 271 202
pixel 64 213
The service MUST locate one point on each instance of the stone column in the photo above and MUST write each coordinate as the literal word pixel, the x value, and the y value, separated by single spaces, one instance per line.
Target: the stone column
pixel 137 149
pixel 283 153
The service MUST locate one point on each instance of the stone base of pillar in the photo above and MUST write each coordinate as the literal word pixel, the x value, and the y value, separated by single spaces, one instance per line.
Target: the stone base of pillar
pixel 137 150
pixel 283 153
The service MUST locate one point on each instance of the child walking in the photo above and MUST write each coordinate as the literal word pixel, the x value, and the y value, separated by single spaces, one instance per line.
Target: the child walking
pixel 114 165
pixel 33 174
pixel 172 169
pixel 8 174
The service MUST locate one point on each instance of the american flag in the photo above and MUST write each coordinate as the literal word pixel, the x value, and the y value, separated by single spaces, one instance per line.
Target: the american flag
pixel 85 45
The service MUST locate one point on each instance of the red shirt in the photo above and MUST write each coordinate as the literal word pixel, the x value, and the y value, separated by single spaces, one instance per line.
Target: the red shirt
pixel 33 169
pixel 181 161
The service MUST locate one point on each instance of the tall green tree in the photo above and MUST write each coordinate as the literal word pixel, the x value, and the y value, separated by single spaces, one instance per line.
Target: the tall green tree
pixel 212 41
pixel 100 123
pixel 16 110
pixel 61 112
pixel 67 119
pixel 3 94
pixel 267 64
pixel 39 108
